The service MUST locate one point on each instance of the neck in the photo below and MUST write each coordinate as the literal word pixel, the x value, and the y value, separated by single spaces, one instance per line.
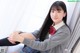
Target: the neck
pixel 57 23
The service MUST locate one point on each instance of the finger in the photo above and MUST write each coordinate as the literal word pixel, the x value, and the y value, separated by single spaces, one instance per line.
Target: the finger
pixel 10 40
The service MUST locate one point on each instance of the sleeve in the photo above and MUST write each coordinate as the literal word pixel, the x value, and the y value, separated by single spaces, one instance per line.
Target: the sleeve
pixel 47 44
pixel 36 33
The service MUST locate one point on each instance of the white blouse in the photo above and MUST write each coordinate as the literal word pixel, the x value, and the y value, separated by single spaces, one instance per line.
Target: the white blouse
pixel 57 26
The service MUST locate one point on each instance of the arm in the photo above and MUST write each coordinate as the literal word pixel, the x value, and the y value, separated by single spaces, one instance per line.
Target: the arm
pixel 33 35
pixel 6 42
pixel 58 38
pixel 47 44
pixel 36 33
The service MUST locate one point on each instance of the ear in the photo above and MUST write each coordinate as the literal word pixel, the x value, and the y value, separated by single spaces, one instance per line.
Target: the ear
pixel 64 15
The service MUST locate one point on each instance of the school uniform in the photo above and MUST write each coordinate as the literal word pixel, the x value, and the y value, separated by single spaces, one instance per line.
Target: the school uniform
pixel 55 43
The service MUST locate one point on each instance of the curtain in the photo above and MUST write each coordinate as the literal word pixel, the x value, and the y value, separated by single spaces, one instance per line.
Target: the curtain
pixel 75 28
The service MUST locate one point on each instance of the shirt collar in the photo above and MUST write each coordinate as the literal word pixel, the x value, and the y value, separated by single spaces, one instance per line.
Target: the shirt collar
pixel 57 26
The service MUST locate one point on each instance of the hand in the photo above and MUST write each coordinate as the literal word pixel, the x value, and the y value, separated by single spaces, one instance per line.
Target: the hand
pixel 20 37
pixel 17 37
pixel 10 38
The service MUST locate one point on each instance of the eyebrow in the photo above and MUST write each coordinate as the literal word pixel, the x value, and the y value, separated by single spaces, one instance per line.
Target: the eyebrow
pixel 56 8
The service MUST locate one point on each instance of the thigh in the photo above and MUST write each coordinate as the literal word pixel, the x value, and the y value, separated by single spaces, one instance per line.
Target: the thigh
pixel 19 51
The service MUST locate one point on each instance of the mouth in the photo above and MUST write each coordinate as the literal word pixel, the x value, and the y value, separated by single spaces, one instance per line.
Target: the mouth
pixel 55 18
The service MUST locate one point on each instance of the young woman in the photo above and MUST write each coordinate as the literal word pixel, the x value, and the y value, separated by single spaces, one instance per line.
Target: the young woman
pixel 49 42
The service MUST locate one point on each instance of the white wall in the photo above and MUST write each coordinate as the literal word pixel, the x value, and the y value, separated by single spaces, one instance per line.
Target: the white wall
pixel 22 15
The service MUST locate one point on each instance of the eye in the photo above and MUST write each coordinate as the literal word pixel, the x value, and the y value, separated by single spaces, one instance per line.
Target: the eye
pixel 52 11
pixel 59 10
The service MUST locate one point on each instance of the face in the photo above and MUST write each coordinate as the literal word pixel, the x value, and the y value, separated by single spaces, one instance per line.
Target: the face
pixel 57 15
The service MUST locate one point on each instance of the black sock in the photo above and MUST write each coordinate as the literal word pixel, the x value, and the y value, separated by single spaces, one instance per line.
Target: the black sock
pixel 6 42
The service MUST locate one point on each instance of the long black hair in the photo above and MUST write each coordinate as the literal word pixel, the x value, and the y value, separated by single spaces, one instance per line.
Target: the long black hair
pixel 48 21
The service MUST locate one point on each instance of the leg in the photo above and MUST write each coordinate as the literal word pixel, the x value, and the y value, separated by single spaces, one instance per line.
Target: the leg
pixel 5 42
